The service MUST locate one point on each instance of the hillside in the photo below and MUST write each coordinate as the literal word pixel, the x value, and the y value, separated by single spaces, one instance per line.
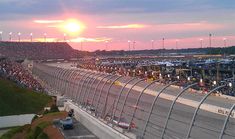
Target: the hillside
pixel 15 100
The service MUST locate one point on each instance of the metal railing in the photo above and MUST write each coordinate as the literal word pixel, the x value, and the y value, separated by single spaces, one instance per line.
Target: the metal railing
pixel 145 109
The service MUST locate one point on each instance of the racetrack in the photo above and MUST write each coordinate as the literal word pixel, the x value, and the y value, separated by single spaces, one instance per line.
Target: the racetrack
pixel 208 122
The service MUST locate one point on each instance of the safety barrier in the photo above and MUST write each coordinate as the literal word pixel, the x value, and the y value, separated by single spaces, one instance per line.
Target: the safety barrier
pixel 129 107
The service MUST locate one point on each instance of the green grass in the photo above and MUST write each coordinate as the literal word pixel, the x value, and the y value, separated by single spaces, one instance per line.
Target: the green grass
pixel 37 132
pixel 31 133
pixel 43 136
pixel 15 100
pixel 11 133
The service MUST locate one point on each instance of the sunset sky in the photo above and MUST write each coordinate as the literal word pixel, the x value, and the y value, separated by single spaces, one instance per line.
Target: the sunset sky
pixel 109 24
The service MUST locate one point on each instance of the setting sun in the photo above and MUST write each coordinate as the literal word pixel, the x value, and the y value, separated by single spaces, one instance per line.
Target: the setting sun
pixel 73 27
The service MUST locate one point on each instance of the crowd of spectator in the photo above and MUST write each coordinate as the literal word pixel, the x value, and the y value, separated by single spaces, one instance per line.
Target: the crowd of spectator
pixel 37 50
pixel 165 75
pixel 14 71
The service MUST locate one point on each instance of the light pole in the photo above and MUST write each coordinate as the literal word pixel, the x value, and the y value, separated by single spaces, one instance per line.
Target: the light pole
pixel 31 37
pixel 210 35
pixel 163 43
pixel 133 45
pixel 129 45
pixel 65 37
pixel 225 42
pixel 45 37
pixel 163 46
pixel 152 44
pixel 19 36
pixel 201 42
pixel 1 35
pixel 176 44
pixel 10 36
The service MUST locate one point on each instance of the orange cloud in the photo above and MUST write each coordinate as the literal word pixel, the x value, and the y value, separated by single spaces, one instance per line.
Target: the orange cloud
pixel 47 40
pixel 48 21
pixel 39 40
pixel 72 27
pixel 81 39
pixel 130 26
pixel 53 39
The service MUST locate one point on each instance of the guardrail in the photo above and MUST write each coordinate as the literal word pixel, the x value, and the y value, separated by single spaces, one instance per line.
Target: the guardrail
pixel 149 110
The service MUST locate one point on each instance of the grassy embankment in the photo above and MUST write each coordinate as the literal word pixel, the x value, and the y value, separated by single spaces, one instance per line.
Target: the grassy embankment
pixel 15 100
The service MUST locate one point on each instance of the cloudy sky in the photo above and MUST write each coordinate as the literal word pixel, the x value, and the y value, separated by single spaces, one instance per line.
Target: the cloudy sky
pixel 109 24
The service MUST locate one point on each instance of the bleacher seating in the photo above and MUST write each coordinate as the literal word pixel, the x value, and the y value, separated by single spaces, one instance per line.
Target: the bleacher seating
pixel 14 71
pixel 37 50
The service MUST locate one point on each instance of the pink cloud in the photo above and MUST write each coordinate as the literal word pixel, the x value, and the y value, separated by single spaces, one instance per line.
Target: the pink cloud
pixel 177 27
pixel 84 39
pixel 129 26
pixel 48 21
pixel 181 27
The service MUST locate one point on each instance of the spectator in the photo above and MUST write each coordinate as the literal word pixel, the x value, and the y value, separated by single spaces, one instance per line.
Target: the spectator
pixel 16 72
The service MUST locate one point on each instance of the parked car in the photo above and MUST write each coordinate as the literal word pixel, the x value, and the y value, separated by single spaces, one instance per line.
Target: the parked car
pixel 91 108
pixel 67 123
pixel 89 105
pixel 123 123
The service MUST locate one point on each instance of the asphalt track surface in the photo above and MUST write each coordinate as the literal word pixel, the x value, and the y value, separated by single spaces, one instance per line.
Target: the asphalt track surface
pixel 78 132
pixel 207 125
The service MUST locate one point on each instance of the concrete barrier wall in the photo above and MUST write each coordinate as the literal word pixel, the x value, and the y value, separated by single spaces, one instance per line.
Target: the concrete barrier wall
pixel 15 120
pixel 98 128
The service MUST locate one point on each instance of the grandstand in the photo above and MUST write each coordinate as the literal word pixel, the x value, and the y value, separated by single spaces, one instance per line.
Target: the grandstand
pixel 37 50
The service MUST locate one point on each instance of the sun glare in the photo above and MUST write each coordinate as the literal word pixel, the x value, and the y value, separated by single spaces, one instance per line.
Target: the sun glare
pixel 73 27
